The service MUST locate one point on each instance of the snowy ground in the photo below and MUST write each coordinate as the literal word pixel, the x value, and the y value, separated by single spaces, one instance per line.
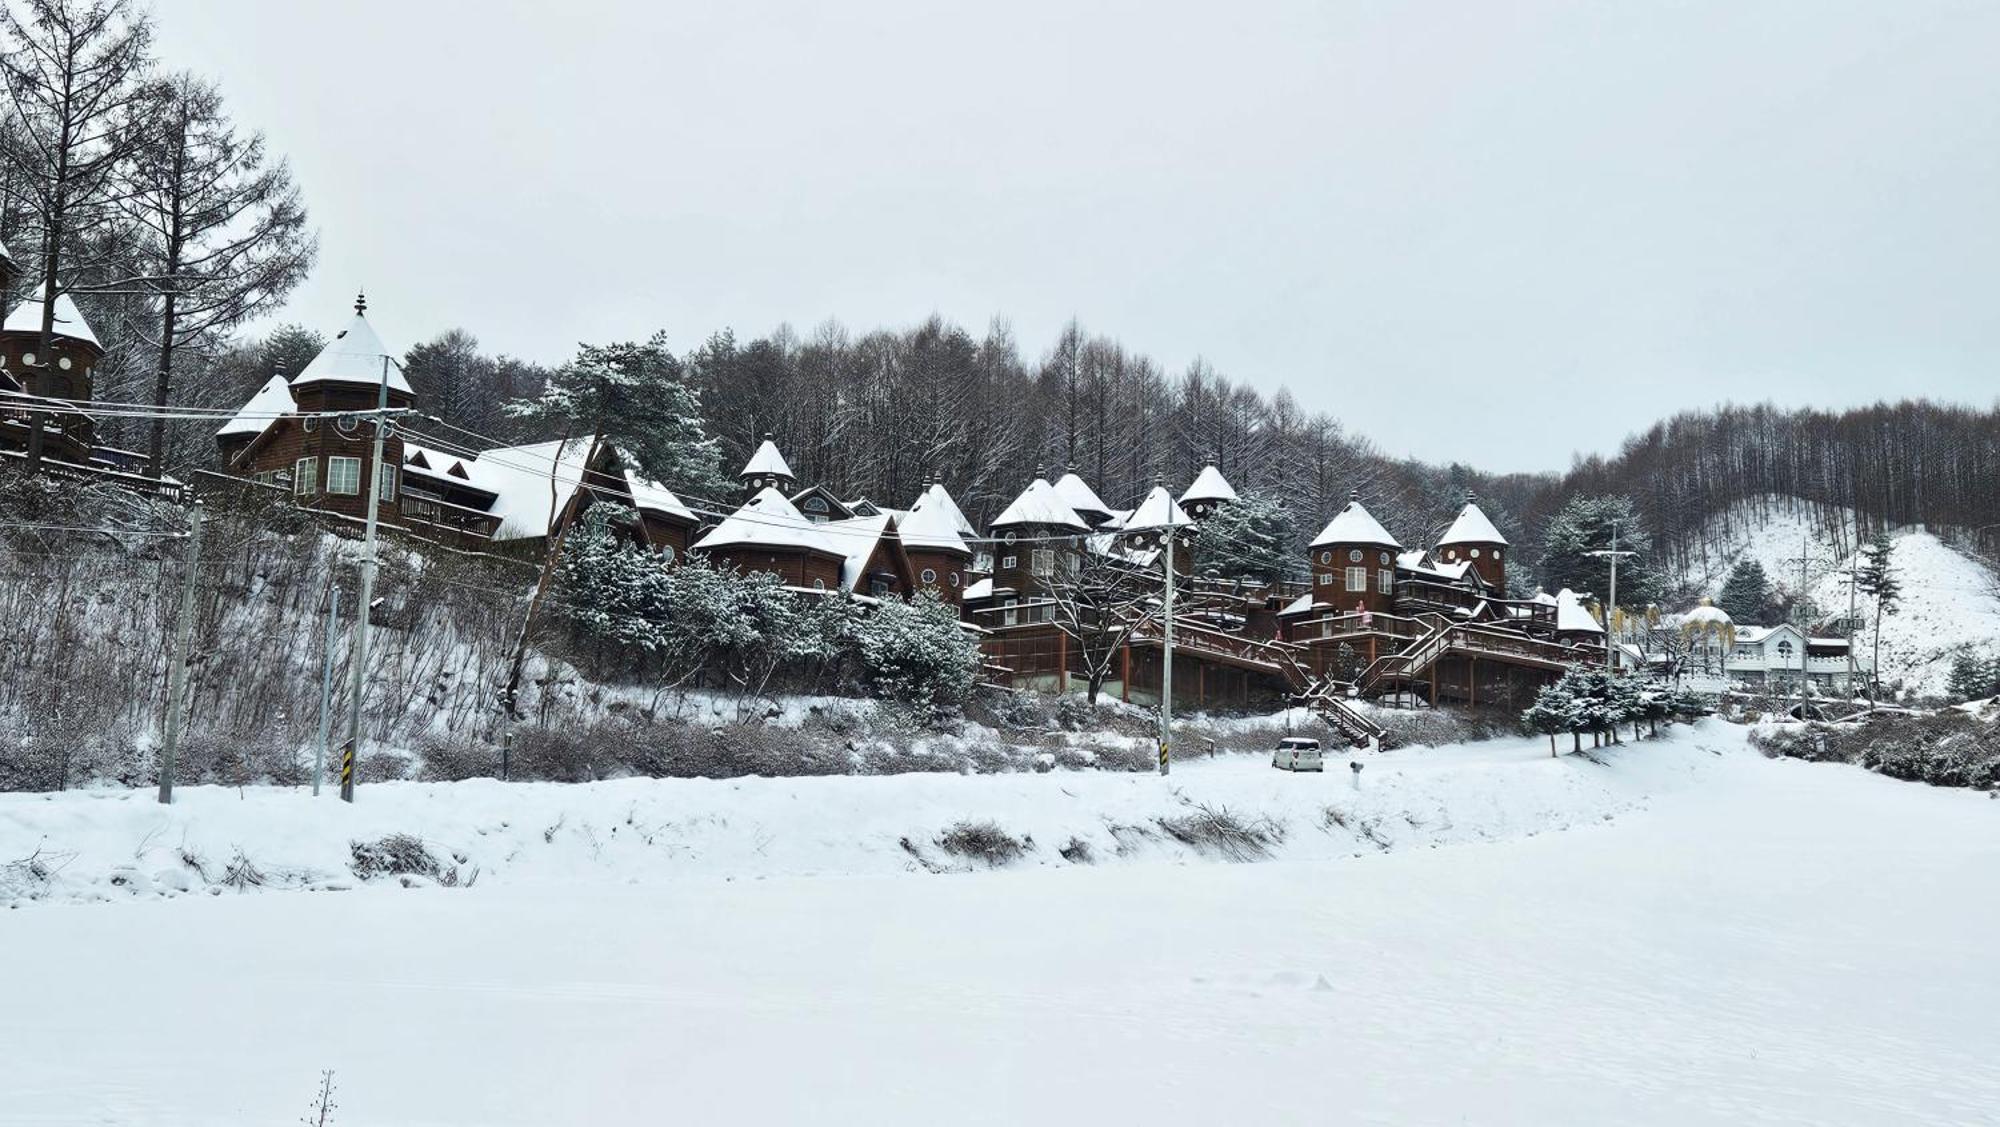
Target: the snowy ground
pixel 1950 601
pixel 1742 941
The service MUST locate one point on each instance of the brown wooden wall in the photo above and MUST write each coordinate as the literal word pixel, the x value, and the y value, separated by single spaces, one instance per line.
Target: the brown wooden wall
pixel 1331 561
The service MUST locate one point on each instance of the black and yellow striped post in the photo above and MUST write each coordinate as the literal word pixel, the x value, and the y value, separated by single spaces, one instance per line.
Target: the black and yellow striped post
pixel 347 771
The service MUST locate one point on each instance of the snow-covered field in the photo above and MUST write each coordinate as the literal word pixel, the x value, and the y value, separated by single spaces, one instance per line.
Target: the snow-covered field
pixel 1950 601
pixel 1714 938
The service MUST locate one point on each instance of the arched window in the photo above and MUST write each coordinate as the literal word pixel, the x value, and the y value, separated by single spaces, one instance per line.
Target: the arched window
pixel 1785 649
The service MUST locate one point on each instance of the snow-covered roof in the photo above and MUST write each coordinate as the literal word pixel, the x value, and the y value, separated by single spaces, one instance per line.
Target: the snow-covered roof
pixel 1079 496
pixel 1209 485
pixel 855 539
pixel 1707 614
pixel 1159 510
pixel 1573 616
pixel 769 519
pixel 765 461
pixel 355 355
pixel 933 522
pixel 531 485
pixel 262 409
pixel 1419 562
pixel 1355 525
pixel 980 588
pixel 1471 527
pixel 936 496
pixel 1040 504
pixel 27 318
pixel 654 497
pixel 1299 605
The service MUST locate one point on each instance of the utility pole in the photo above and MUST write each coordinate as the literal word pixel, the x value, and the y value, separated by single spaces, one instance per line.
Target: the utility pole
pixel 1167 650
pixel 1799 616
pixel 1611 608
pixel 353 749
pixel 326 689
pixel 170 739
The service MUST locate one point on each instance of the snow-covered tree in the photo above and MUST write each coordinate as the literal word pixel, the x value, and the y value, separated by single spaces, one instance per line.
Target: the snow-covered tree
pixel 636 398
pixel 1248 538
pixel 1584 525
pixel 1971 678
pixel 1746 594
pixel 1876 578
pixel 615 589
pixel 918 652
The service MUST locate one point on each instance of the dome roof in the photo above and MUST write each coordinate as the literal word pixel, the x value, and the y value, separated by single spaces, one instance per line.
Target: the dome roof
pixel 1355 525
pixel 1472 527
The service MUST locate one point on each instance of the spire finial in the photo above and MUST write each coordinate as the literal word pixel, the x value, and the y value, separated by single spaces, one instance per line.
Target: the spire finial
pixel 361 303
pixel 1470 497
pixel 1040 471
pixel 769 437
pixel 1354 496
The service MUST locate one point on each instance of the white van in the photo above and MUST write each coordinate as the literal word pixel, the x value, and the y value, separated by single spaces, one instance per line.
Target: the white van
pixel 1297 753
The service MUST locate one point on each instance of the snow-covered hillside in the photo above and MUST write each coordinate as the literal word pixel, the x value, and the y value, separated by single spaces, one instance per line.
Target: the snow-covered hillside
pixel 1745 941
pixel 1949 601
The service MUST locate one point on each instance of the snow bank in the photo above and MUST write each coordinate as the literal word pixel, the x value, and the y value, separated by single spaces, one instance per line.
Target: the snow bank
pixel 103 844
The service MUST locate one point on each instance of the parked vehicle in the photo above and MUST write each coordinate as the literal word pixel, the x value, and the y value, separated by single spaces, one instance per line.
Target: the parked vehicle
pixel 1298 753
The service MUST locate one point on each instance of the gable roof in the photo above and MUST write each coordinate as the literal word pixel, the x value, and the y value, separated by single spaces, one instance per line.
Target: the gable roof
pixel 27 318
pixel 1079 496
pixel 1471 527
pixel 531 485
pixel 1040 504
pixel 856 539
pixel 769 520
pixel 654 497
pixel 354 356
pixel 1573 616
pixel 261 410
pixel 1355 525
pixel 1209 485
pixel 833 509
pixel 766 460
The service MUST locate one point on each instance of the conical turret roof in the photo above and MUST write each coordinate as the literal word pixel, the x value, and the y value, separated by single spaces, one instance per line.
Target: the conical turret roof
pixel 355 357
pixel 1355 525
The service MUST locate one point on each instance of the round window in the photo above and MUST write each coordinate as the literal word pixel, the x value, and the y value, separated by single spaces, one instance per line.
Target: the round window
pixel 1385 557
pixel 667 552
pixel 1326 557
pixel 1354 555
pixel 28 358
pixel 64 364
pixel 954 579
pixel 1009 538
pixel 1496 553
pixel 1475 553
pixel 929 575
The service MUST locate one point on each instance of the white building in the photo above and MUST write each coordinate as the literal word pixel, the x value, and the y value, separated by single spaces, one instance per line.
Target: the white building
pixel 1770 656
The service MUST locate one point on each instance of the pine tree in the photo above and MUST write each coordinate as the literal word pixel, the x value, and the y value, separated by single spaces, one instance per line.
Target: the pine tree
pixel 1248 538
pixel 1746 595
pixel 1584 526
pixel 1876 578
pixel 1971 678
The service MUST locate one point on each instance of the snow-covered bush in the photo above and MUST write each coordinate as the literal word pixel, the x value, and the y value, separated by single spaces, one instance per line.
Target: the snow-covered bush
pixel 1947 750
pixel 983 841
pixel 917 652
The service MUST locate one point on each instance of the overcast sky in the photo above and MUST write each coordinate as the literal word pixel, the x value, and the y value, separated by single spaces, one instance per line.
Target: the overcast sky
pixel 1497 232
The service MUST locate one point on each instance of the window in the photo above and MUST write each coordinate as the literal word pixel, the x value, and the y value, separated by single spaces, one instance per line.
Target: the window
pixel 1385 581
pixel 388 481
pixel 305 477
pixel 1357 579
pixel 343 475
pixel 1475 553
pixel 878 586
pixel 667 552
pixel 1326 557
pixel 1326 579
pixel 1354 555
pixel 1009 562
pixel 954 579
pixel 1009 538
pixel 819 584
pixel 1009 616
pixel 1384 559
pixel 1785 650
pixel 929 576
pixel 1496 555
pixel 1042 561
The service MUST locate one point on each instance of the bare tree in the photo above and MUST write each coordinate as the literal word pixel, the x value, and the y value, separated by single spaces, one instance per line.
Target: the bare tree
pixel 1100 598
pixel 73 71
pixel 221 231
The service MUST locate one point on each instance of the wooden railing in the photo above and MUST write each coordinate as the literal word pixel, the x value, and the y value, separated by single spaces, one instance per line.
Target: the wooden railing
pixel 1353 623
pixel 1278 657
pixel 1477 641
